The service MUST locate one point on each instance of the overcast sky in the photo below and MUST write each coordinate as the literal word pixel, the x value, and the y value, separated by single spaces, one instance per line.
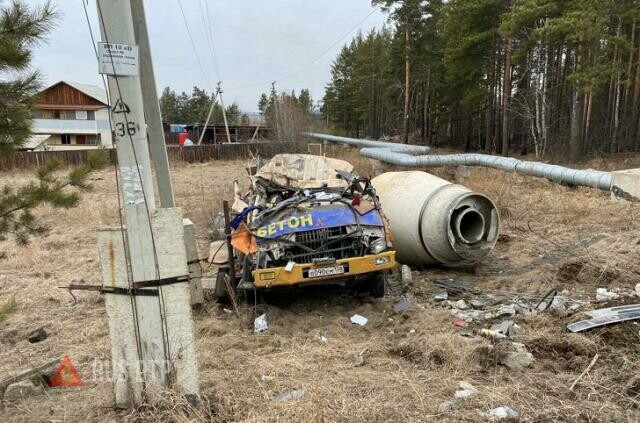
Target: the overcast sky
pixel 256 42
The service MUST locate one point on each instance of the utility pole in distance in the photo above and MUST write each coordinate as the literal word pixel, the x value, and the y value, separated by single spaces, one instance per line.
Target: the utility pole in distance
pixel 150 321
pixel 224 111
pixel 153 117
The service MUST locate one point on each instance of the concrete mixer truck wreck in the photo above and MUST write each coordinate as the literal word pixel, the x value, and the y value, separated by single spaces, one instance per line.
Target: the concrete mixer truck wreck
pixel 309 220
pixel 312 220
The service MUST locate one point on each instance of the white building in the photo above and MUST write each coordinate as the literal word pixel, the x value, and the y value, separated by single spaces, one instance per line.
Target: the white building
pixel 70 116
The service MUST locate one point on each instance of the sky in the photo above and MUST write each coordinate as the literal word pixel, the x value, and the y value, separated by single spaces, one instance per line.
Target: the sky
pixel 255 43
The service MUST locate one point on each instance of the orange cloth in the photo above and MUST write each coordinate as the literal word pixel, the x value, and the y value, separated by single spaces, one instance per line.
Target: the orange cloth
pixel 243 241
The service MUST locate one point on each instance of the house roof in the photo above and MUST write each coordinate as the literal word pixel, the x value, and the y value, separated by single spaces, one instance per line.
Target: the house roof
pixel 93 91
pixel 35 141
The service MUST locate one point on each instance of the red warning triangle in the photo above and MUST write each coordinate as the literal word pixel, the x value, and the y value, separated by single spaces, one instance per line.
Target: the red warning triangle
pixel 66 375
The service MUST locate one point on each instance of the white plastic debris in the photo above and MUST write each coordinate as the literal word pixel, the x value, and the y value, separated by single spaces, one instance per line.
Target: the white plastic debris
pixel 506 311
pixel 291 395
pixel 447 406
pixel 323 339
pixel 359 320
pixel 503 413
pixel 461 305
pixel 463 393
pixel 289 266
pixel 266 378
pixel 440 296
pixel 638 289
pixel 260 324
pixel 492 333
pixel 559 303
pixel 603 295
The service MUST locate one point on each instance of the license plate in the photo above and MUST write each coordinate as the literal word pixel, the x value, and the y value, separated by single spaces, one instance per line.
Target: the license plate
pixel 326 271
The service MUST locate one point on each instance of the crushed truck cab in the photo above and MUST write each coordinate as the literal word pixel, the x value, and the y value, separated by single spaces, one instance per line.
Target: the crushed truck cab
pixel 310 220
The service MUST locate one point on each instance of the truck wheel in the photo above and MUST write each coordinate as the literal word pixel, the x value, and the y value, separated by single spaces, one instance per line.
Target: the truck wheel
pixel 378 285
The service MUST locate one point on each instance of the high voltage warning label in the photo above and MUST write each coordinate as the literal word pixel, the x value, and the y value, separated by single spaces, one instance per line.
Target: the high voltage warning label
pixel 118 59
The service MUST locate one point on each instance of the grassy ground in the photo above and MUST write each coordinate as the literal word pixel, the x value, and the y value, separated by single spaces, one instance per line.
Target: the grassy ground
pixel 552 236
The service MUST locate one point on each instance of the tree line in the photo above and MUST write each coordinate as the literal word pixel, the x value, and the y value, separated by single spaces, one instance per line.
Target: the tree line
pixel 539 76
pixel 193 108
pixel 287 114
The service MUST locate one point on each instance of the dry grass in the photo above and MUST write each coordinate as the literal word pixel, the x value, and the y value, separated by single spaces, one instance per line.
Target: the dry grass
pixel 412 362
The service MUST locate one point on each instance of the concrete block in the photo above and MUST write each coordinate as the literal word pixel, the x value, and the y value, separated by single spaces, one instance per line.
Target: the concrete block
pixel 24 389
pixel 625 185
pixel 193 261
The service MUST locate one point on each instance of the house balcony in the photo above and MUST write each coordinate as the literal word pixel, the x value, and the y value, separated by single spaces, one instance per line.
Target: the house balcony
pixel 69 126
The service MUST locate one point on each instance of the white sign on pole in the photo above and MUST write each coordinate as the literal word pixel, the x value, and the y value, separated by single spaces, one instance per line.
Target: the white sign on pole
pixel 118 59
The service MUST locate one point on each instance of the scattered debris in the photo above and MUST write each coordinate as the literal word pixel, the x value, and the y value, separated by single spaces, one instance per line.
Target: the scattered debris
pixel 465 390
pixel 461 305
pixel 260 323
pixel 606 316
pixel 290 395
pixel 603 295
pixel 507 328
pixel 24 389
pixel 559 303
pixel 37 335
pixel 449 285
pixel 481 303
pixel 441 296
pixel 517 360
pixel 492 333
pixel 503 413
pixel 323 339
pixel 267 378
pixel 447 406
pixel 359 320
pixel 44 372
pixel 401 306
pixel 405 272
pixel 459 322
pixel 638 289
pixel 506 311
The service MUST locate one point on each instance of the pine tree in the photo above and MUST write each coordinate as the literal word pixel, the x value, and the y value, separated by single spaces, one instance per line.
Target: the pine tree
pixel 21 29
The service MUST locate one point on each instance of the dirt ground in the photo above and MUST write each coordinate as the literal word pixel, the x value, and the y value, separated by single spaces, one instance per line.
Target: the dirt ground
pixel 572 239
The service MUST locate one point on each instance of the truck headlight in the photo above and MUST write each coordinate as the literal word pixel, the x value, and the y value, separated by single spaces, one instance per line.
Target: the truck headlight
pixel 382 260
pixel 378 245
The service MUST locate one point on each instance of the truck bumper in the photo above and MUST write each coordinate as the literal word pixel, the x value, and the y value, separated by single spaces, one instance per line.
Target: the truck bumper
pixel 279 276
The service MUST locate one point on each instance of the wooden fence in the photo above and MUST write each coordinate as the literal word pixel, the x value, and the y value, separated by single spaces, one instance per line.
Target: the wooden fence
pixel 192 154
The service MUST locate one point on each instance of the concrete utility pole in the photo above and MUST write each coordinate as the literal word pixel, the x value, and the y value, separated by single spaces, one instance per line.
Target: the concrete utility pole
pixel 152 113
pixel 213 104
pixel 224 111
pixel 150 321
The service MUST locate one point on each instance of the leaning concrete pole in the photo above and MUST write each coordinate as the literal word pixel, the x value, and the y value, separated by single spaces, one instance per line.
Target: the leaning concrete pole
pixel 150 320
pixel 152 107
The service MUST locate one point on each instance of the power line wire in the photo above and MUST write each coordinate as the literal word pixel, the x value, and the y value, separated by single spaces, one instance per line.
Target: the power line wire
pixel 209 34
pixel 307 65
pixel 193 44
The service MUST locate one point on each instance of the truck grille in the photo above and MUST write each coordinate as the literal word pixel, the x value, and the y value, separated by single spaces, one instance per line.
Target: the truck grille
pixel 327 242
